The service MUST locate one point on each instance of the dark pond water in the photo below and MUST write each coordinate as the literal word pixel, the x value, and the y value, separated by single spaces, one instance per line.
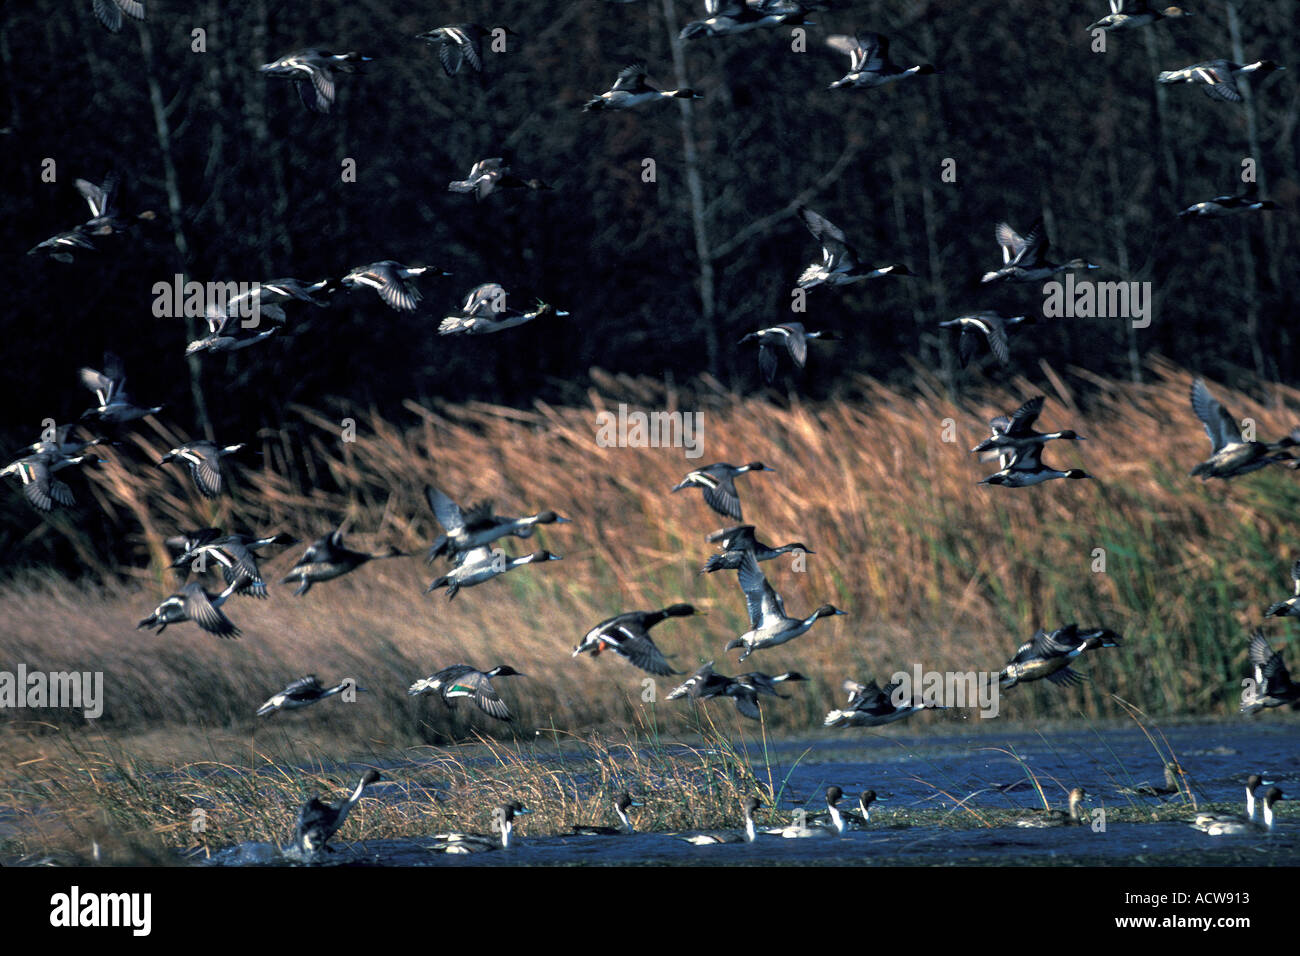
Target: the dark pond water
pixel 925 777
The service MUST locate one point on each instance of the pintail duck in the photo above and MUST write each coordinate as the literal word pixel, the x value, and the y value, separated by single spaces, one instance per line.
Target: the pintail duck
pixel 485 311
pixel 483 564
pixel 503 819
pixel 984 326
pixel 1219 77
pixel 741 17
pixel 869 63
pixel 318 821
pixel 1233 455
pixel 1273 685
pixel 631 89
pixel 1024 257
pixel 705 684
pixel 1026 467
pixel 327 558
pixel 462 680
pixel 204 461
pixel 392 281
pixel 193 603
pixel 840 263
pixel 465 531
pixel 870 705
pixel 1050 655
pixel 767 683
pixel 40 487
pixel 1170 786
pixel 109 12
pixel 303 692
pixel 716 837
pixel 769 624
pixel 1075 816
pixel 234 553
pixel 227 332
pixel 735 542
pixel 1220 824
pixel 103 221
pixel 1128 14
pixel 719 484
pixel 628 635
pixel 853 820
pixel 1291 606
pixel 1221 206
pixel 621 805
pixel 789 337
pixel 61 444
pixel 459 43
pixel 312 72
pixel 488 175
pixel 109 386
pixel 1253 783
pixel 1014 434
pixel 834 827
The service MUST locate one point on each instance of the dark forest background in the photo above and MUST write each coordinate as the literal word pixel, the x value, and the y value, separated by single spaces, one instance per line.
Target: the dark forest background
pixel 661 279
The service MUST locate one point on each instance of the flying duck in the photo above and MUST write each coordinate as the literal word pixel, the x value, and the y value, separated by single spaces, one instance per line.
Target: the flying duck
pixel 1050 655
pixel 193 603
pixel 869 63
pixel 1128 14
pixel 488 175
pixel 734 542
pixel 1273 685
pixel 485 310
pixel 870 705
pixel 628 635
pixel 719 484
pixel 1219 77
pixel 392 281
pixel 483 564
pixel 318 821
pixel 109 12
pixel 1024 258
pixel 984 326
pixel 115 406
pixel 462 680
pixel 1220 206
pixel 204 461
pixel 465 531
pixel 840 263
pixel 312 72
pixel 303 692
pixel 631 89
pixel 1233 455
pixel 769 624
pixel 789 337
pixel 328 558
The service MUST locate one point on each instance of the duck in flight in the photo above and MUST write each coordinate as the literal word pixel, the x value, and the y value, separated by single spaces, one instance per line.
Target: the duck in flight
pixel 328 558
pixel 488 175
pixel 462 680
pixel 303 692
pixel 788 337
pixel 1024 258
pixel 631 90
pixel 312 73
pixel 871 705
pixel 1233 454
pixel 392 281
pixel 769 625
pixel 1219 78
pixel 869 63
pixel 1049 655
pixel 628 635
pixel 193 603
pixel 840 263
pixel 719 484
pixel 990 327
pixel 1273 686
pixel 735 542
pixel 1130 14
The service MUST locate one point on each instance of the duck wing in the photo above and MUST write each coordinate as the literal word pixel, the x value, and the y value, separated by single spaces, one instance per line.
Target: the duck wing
pixel 199 608
pixel 1023 418
pixel 444 509
pixel 1219 425
pixel 632 79
pixel 638 647
pixel 764 603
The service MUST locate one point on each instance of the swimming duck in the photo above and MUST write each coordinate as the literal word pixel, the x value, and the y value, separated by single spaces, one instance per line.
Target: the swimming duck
pixel 462 680
pixel 769 625
pixel 193 603
pixel 1128 14
pixel 735 542
pixel 1025 467
pixel 1024 257
pixel 109 12
pixel 719 484
pixel 1218 76
pixel 1233 455
pixel 1171 785
pixel 853 819
pixel 789 337
pixel 465 531
pixel 503 819
pixel 312 72
pixel 228 333
pixel 40 487
pixel 327 558
pixel 835 821
pixel 1273 685
pixel 109 386
pixel 488 175
pixel 459 43
pixel 1253 783
pixel 628 635
pixel 1220 206
pixel 303 692
pixel 1050 654
pixel 1075 816
pixel 870 705
pixel 739 17
pixel 716 837
pixel 485 311
pixel 631 89
pixel 840 263
pixel 984 326
pixel 869 63
pixel 621 805
pixel 483 564
pixel 1220 824
pixel 1291 606
pixel 704 684
pixel 392 281
pixel 1015 433
pixel 318 821
pixel 204 461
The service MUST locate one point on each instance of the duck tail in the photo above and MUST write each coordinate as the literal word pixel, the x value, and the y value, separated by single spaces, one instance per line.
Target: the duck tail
pixel 687 94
